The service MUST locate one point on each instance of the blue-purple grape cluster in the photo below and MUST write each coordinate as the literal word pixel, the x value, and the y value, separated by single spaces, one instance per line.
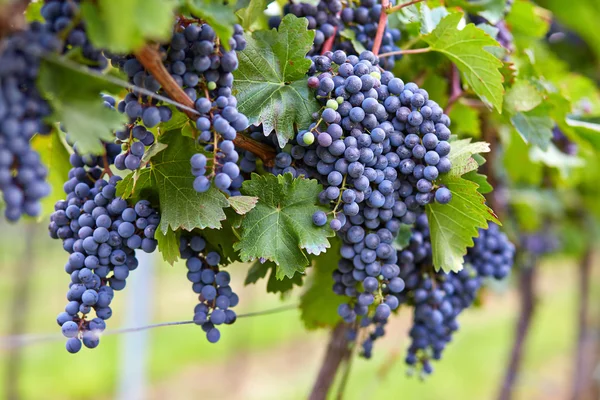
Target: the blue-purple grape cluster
pixel 438 298
pixel 63 19
pixel 378 147
pixel 23 112
pixel 539 243
pixel 101 232
pixel 332 17
pixel 216 298
pixel 204 69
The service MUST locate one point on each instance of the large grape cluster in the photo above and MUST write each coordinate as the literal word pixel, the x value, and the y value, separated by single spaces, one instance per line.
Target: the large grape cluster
pixel 378 147
pixel 438 298
pixel 101 232
pixel 332 17
pixel 23 112
pixel 203 68
pixel 212 286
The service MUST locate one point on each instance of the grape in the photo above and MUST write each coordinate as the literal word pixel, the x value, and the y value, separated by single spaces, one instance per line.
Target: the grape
pixel 319 218
pixel 443 195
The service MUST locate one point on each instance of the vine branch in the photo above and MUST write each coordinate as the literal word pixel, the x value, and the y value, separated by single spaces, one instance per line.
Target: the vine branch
pixel 527 275
pixel 149 57
pixel 12 17
pixel 407 51
pixel 456 91
pixel 401 6
pixel 337 351
pixel 385 4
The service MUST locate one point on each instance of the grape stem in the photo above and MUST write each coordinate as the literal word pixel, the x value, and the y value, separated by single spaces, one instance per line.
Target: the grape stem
pixel 407 51
pixel 395 8
pixel 385 4
pixel 150 58
pixel 456 90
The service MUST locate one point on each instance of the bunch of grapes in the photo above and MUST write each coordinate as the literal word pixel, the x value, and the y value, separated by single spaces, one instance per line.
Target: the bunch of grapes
pixel 331 17
pixel 438 298
pixel 63 19
pixel 212 286
pixel 378 147
pixel 101 232
pixel 203 68
pixel 23 112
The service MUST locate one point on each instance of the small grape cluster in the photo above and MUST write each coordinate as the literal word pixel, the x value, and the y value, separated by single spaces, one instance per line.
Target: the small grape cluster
pixel 203 68
pixel 212 286
pixel 63 19
pixel 438 298
pixel 539 243
pixel 101 233
pixel 492 254
pixel 332 17
pixel 134 139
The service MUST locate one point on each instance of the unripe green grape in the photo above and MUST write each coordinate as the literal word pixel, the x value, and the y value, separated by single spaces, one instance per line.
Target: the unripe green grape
pixel 308 138
pixel 340 99
pixel 211 85
pixel 376 75
pixel 331 103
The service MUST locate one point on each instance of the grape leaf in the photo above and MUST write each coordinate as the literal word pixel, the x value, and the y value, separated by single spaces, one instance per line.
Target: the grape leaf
pixel 270 81
pixel 34 12
pixel 250 14
pixel 170 177
pixel 242 204
pixel 535 126
pixel 465 120
pixel 430 18
pixel 467 48
pixel 280 227
pixel 222 239
pixel 492 10
pixel 75 99
pixel 454 225
pixel 274 285
pixel 554 158
pixel 168 245
pixel 351 36
pixel 461 155
pixel 125 26
pixel 319 304
pixel 218 14
pixel 55 157
pixel 522 96
pixel 480 180
pixel 587 129
pixel 525 22
pixel 403 238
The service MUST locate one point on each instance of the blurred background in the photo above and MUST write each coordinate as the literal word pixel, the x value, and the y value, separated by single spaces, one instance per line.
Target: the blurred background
pixel 267 356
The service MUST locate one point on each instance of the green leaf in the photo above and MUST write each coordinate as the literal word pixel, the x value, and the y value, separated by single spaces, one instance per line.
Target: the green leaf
pixel 465 120
pixel 492 10
pixel 535 126
pixel 168 245
pixel 480 180
pixel 461 155
pixel 125 26
pixel 218 14
pixel 259 270
pixel 171 178
pixel 242 204
pixel 55 157
pixel 223 239
pixel 454 225
pixel 467 49
pixel 430 19
pixel 516 161
pixel 34 12
pixel 587 128
pixel 554 158
pixel 525 22
pixel 270 81
pixel 351 36
pixel 523 96
pixel 177 121
pixel 249 15
pixel 75 99
pixel 280 227
pixel 319 304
